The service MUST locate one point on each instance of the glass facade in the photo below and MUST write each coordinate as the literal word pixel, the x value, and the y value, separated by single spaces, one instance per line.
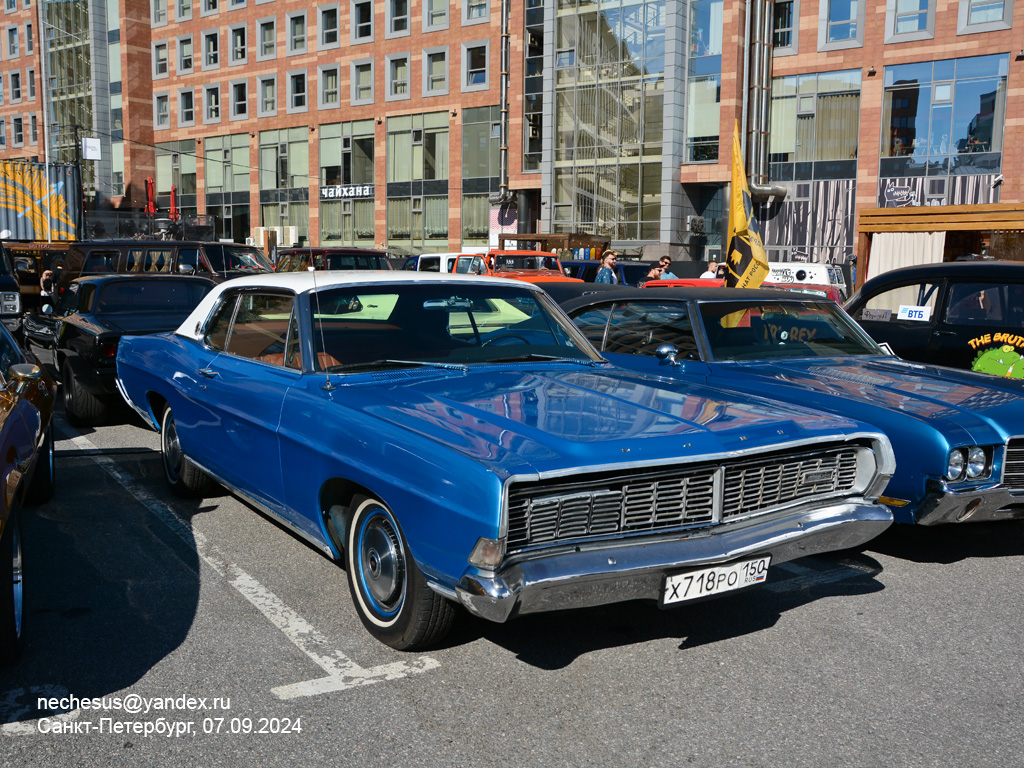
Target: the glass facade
pixel 944 117
pixel 704 85
pixel 284 179
pixel 346 159
pixel 417 180
pixel 815 126
pixel 226 172
pixel 609 118
pixel 480 173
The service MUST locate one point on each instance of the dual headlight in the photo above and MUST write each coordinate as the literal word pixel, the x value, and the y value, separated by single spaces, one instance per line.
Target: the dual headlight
pixel 969 463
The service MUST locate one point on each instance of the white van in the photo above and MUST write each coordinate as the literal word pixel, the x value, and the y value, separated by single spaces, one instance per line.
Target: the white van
pixel 809 273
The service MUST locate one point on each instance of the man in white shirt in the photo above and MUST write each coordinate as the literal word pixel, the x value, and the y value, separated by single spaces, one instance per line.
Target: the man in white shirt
pixel 712 272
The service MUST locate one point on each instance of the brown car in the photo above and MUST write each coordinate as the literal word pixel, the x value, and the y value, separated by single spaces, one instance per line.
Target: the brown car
pixel 26 464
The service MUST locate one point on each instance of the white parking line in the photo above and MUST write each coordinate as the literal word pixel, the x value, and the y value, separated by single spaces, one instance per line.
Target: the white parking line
pixel 342 672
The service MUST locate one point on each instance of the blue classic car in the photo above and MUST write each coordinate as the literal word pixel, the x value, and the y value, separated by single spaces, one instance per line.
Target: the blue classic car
pixel 456 440
pixel 958 436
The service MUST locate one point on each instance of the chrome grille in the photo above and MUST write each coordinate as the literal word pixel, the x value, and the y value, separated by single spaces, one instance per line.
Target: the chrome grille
pixel 645 500
pixel 755 485
pixel 1013 467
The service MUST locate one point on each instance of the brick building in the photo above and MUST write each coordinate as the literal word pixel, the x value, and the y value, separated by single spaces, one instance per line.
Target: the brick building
pixel 379 121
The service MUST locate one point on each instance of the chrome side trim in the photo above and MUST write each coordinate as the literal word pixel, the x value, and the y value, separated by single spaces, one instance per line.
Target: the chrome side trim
pixel 269 512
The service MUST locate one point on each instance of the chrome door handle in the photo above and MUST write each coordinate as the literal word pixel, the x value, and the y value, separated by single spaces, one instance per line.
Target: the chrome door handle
pixel 208 373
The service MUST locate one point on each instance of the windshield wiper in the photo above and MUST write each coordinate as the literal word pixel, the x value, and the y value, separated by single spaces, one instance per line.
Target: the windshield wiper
pixel 554 358
pixel 375 363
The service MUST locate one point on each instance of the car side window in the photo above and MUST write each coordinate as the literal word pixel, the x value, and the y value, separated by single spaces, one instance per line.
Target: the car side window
pixel 260 328
pixel 68 301
pixel 158 260
pixel 100 261
pixel 639 328
pixel 220 323
pixel 885 306
pixel 134 261
pixel 593 323
pixel 977 304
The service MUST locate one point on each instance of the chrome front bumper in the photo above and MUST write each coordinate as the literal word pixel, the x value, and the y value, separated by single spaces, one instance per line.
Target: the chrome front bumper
pixel 613 572
pixel 943 505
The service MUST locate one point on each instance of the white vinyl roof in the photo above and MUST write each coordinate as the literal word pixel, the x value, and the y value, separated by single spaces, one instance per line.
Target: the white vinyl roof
pixel 301 282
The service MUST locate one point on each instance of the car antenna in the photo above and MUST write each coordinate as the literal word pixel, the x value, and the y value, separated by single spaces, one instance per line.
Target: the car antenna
pixel 329 386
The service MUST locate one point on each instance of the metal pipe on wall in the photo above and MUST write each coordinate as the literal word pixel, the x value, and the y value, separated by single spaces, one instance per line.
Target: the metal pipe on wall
pixel 504 194
pixel 757 78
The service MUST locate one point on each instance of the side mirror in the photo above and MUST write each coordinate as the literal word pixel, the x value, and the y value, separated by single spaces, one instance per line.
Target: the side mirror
pixel 667 352
pixel 20 375
pixel 186 269
pixel 46 308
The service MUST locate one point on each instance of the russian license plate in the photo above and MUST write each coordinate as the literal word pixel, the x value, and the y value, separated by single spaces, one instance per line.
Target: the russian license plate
pixel 714 581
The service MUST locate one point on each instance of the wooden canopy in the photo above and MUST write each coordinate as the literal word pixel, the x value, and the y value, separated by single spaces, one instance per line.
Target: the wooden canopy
pixel 942 218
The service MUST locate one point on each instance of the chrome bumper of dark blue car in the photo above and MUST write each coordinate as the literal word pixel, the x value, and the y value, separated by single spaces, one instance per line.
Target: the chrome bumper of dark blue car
pixel 944 505
pixel 621 571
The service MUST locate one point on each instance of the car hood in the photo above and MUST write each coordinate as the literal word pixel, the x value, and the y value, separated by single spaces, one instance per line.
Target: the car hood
pixel 879 390
pixel 559 418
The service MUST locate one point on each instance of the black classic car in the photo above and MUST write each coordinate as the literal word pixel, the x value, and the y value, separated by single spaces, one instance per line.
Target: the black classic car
pixel 26 466
pixel 79 336
pixel 964 314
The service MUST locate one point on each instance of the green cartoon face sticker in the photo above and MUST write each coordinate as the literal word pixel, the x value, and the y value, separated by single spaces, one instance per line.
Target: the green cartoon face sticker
pixel 1000 361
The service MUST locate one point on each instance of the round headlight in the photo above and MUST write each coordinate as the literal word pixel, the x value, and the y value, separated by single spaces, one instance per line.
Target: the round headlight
pixel 977 462
pixel 956 464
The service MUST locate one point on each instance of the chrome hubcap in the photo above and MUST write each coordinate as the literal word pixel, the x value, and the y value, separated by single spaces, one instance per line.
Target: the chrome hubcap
pixel 172 449
pixel 382 562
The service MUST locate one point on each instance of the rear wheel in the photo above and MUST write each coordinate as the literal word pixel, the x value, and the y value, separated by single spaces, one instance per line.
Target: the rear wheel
pixel 81 406
pixel 11 638
pixel 40 490
pixel 389 590
pixel 184 478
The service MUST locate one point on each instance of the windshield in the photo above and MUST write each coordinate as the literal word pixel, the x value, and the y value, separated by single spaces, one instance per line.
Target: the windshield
pixel 367 327
pixel 745 330
pixel 235 258
pixel 142 296
pixel 512 262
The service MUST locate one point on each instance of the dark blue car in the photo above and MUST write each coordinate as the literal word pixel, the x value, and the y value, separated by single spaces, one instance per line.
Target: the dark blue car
pixel 958 436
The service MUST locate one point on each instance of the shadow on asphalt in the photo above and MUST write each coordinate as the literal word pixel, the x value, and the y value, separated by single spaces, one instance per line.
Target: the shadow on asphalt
pixel 951 543
pixel 107 594
pixel 554 640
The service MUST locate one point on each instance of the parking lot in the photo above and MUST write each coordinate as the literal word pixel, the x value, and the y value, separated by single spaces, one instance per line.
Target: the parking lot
pixel 235 641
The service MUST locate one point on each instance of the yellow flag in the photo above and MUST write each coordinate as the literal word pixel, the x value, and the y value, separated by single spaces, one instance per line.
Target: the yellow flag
pixel 746 262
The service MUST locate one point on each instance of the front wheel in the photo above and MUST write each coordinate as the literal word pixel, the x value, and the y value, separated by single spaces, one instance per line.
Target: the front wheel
pixel 183 477
pixel 389 590
pixel 11 638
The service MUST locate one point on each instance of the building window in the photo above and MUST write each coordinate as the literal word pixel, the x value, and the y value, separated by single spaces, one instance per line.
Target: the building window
pixel 29 42
pixel 18 131
pixel 435 15
pixel 327 27
pixel 362 81
pixel 30 76
pixel 782 25
pixel 703 90
pixel 161 110
pixel 476 11
pixel 3 132
pixel 296 33
pixel 186 107
pixel 815 126
pixel 397 18
pixel 211 49
pixel 297 91
pixel 268 39
pixel 474 65
pixel 239 99
pixel 160 59
pixel 176 165
pixel 184 54
pixel 398 76
pixel 417 147
pixel 15 87
pixel 1 89
pixel 10 6
pixel 209 8
pixel 435 71
pixel 346 158
pixel 34 129
pixel 362 21
pixel 12 42
pixel 159 12
pixel 238 42
pixel 907 20
pixel 284 164
pixel 211 101
pixel 944 118
pixel 183 11
pixel 983 16
pixel 840 24
pixel 267 89
pixel 329 89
